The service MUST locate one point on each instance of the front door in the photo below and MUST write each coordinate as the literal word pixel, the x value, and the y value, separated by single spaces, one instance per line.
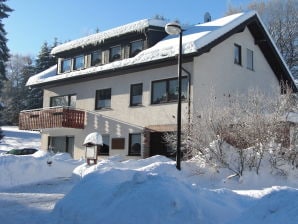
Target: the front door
pixel 158 146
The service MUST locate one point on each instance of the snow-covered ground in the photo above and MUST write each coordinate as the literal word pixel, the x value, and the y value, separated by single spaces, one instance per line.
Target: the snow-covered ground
pixel 135 191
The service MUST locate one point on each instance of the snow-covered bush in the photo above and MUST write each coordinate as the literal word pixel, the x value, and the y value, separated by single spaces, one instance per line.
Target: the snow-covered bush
pixel 241 133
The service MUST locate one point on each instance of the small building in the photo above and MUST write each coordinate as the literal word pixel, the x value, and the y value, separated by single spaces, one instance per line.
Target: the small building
pixel 122 82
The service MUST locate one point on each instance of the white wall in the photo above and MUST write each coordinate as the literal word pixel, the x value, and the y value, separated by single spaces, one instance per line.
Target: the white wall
pixel 216 70
pixel 121 119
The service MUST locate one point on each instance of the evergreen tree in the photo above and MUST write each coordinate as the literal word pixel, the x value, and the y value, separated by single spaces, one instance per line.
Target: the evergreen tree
pixel 4 10
pixel 44 61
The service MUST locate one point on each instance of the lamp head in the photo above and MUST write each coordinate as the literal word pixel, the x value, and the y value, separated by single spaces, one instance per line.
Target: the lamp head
pixel 173 28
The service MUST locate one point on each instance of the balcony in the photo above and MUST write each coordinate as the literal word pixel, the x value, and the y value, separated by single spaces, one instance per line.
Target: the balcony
pixel 53 117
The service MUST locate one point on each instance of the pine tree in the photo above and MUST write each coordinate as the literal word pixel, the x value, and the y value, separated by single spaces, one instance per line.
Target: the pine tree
pixel 4 10
pixel 44 61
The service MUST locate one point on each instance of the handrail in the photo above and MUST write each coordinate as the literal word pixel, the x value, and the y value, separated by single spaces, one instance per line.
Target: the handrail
pixel 86 111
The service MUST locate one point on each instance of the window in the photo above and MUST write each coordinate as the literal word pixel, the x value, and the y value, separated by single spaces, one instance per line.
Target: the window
pixel 134 145
pixel 66 100
pixel 66 65
pixel 115 53
pixel 96 58
pixel 164 91
pixel 79 62
pixel 237 54
pixel 250 59
pixel 104 150
pixel 103 99
pixel 136 94
pixel 61 144
pixel 135 48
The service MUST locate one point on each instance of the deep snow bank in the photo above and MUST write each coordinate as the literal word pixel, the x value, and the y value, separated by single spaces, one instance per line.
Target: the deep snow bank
pixel 143 191
pixel 40 166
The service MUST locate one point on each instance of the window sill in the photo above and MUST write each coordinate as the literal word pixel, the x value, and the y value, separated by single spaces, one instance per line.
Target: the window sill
pixel 104 109
pixel 136 106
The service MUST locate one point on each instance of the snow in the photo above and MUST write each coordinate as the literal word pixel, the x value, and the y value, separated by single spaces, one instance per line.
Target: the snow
pixel 194 38
pixel 148 190
pixel 98 38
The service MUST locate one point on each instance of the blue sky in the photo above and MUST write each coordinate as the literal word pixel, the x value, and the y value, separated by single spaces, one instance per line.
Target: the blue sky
pixel 35 21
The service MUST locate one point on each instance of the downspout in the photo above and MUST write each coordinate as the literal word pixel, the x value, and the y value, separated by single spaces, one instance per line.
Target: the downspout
pixel 189 91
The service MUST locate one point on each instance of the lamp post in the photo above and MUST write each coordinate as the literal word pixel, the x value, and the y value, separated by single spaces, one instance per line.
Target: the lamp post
pixel 175 29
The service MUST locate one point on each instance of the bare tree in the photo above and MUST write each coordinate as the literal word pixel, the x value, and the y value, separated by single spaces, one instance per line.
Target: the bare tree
pixel 242 132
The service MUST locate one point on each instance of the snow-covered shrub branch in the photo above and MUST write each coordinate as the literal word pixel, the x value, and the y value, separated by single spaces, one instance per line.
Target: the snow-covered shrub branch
pixel 241 132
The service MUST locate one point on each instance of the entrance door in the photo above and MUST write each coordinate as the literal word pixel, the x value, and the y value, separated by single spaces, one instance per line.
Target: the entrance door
pixel 158 146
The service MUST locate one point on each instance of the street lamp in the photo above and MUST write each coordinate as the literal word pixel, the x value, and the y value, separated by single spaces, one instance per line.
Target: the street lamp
pixel 175 29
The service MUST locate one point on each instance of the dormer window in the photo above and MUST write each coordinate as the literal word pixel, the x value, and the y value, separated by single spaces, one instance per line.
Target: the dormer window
pixel 96 58
pixel 136 47
pixel 66 65
pixel 115 53
pixel 79 62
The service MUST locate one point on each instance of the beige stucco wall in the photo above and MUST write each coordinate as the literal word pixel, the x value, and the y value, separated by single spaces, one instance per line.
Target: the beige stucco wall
pixel 121 119
pixel 215 71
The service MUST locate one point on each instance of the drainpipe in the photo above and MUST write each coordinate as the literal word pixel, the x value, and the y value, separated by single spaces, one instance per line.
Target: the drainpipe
pixel 189 102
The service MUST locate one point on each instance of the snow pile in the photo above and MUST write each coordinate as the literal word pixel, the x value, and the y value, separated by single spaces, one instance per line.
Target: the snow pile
pixel 153 191
pixel 40 166
pixel 15 138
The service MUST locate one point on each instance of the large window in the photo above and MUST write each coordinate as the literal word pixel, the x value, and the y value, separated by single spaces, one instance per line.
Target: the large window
pixel 250 59
pixel 79 62
pixel 105 148
pixel 66 65
pixel 103 99
pixel 96 58
pixel 136 47
pixel 237 54
pixel 134 144
pixel 164 91
pixel 136 94
pixel 115 53
pixel 66 100
pixel 61 144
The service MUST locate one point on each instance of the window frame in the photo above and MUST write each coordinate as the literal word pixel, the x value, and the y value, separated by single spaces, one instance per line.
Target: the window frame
pixel 137 50
pixel 92 58
pixel 63 61
pixel 105 141
pixel 69 100
pixel 167 98
pixel 82 63
pixel 130 146
pixel 112 57
pixel 237 54
pixel 97 98
pixel 249 59
pixel 132 103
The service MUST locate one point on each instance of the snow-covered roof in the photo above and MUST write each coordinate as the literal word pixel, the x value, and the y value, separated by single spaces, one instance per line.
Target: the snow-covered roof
pixel 98 38
pixel 194 38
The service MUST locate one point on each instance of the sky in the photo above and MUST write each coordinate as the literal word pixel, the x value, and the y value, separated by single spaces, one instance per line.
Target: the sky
pixel 34 22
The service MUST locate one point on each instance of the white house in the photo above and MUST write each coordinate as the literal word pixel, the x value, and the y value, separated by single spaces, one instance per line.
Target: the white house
pixel 122 82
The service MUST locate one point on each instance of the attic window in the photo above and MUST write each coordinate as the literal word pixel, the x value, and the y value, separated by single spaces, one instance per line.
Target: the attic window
pixel 66 65
pixel 136 47
pixel 79 62
pixel 237 54
pixel 115 53
pixel 96 58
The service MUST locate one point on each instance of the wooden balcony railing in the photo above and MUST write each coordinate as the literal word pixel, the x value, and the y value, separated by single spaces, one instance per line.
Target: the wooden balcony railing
pixel 53 117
